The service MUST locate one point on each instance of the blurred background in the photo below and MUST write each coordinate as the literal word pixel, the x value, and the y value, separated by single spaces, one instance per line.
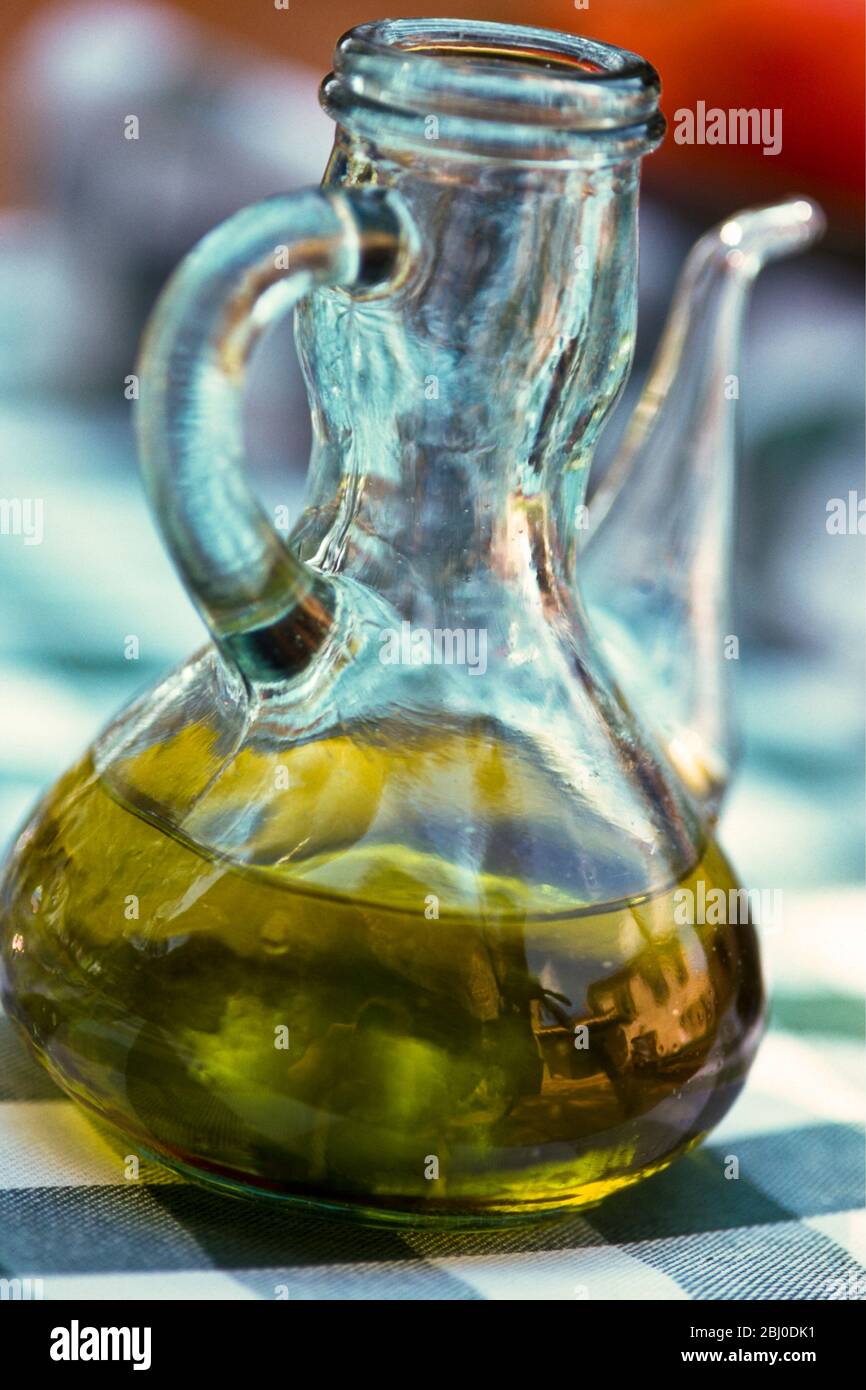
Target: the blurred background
pixel 225 96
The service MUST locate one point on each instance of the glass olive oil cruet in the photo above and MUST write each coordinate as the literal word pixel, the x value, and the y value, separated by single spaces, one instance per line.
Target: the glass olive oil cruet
pixel 387 902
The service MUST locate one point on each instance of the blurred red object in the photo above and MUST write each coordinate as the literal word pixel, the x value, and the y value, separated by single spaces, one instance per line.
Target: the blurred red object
pixel 804 59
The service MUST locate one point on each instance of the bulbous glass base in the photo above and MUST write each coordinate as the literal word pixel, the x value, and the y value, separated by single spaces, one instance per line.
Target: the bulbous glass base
pixel 375 1054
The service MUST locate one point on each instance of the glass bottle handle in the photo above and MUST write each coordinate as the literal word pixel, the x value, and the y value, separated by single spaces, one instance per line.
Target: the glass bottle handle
pixel 266 609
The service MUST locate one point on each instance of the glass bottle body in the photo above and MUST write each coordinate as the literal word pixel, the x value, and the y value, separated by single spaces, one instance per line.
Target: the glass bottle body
pixel 421 1044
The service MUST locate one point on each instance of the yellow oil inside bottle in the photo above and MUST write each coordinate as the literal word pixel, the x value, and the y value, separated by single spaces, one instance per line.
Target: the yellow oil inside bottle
pixel 365 1026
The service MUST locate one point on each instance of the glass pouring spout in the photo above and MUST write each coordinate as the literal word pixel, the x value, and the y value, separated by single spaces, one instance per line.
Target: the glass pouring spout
pixel 656 566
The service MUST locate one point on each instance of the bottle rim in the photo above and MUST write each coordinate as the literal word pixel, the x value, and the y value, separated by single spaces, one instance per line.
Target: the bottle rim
pixel 488 88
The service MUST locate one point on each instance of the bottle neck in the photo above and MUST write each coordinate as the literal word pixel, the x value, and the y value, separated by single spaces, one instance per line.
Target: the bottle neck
pixel 443 525
pixel 455 418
